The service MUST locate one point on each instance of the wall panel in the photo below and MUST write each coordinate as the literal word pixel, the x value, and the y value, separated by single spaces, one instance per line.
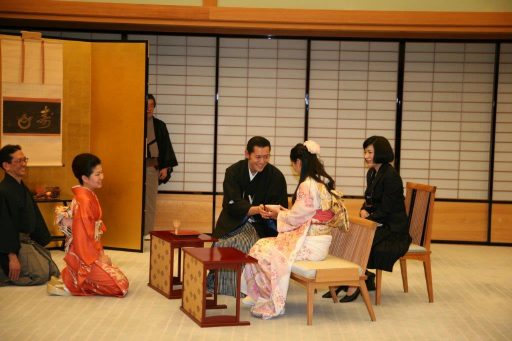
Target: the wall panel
pixel 447 115
pixel 182 78
pixel 352 96
pixel 261 92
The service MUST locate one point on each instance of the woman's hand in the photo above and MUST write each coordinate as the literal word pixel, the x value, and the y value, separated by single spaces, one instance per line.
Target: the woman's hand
pixel 364 214
pixel 67 222
pixel 264 212
pixel 268 211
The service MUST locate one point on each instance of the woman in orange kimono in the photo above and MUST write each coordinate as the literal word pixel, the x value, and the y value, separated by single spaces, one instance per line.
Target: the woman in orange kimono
pixel 89 270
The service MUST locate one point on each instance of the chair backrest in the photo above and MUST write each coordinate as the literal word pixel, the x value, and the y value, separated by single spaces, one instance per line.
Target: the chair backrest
pixel 419 205
pixel 354 245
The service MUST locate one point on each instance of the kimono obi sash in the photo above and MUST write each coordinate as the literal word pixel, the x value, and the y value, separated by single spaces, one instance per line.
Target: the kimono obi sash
pixel 319 226
pixel 322 216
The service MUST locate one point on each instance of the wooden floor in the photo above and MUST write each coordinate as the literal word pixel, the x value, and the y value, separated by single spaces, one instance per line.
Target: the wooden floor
pixel 472 287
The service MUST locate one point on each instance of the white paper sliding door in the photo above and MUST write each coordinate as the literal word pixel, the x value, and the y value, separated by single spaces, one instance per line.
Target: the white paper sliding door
pixel 261 92
pixel 352 96
pixel 447 117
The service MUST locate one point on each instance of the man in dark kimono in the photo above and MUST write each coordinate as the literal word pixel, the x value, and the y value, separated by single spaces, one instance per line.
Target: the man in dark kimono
pixel 160 160
pixel 23 231
pixel 249 184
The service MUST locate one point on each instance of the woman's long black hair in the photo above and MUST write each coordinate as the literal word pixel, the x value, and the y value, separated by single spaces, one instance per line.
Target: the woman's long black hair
pixel 311 167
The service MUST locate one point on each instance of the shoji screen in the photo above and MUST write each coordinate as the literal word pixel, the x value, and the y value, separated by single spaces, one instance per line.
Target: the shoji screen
pixel 503 148
pixel 261 92
pixel 352 96
pixel 447 117
pixel 182 78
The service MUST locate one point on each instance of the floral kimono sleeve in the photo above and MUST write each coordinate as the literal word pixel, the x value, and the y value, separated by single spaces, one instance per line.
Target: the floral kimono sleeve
pixel 302 210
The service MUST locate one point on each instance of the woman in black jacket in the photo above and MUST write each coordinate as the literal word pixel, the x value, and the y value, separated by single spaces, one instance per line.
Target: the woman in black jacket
pixel 385 204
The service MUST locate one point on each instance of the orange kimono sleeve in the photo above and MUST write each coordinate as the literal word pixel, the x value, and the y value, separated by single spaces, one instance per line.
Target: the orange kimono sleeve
pixel 85 246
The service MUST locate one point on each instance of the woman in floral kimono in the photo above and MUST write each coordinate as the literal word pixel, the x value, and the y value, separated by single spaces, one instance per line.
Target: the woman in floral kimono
pixel 303 235
pixel 89 270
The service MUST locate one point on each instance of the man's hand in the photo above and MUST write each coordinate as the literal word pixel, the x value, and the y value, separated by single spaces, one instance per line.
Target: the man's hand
pixel 163 173
pixel 364 214
pixel 264 213
pixel 14 267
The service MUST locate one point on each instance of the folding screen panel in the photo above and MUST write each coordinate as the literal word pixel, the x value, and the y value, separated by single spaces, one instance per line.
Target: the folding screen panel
pixel 117 81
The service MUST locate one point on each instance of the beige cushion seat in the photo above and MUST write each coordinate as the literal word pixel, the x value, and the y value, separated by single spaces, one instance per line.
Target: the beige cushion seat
pixel 416 248
pixel 343 267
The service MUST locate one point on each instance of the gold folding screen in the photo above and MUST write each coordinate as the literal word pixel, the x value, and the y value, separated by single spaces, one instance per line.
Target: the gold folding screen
pixel 103 103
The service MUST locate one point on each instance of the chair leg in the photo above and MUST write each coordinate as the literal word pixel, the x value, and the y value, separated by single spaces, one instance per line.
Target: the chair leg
pixel 333 294
pixel 378 283
pixel 403 268
pixel 366 299
pixel 428 277
pixel 310 295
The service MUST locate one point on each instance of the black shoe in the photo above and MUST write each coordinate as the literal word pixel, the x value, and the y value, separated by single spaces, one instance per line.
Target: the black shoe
pixel 370 281
pixel 369 274
pixel 370 284
pixel 338 290
pixel 350 298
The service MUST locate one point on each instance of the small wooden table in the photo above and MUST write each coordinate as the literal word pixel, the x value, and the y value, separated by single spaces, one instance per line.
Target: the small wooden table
pixel 161 266
pixel 196 262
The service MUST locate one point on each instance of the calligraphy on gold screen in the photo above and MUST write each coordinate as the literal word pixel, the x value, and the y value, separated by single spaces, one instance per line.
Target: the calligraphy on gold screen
pixel 31 116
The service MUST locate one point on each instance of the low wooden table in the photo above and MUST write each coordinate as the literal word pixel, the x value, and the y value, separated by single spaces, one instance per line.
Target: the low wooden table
pixel 194 303
pixel 161 266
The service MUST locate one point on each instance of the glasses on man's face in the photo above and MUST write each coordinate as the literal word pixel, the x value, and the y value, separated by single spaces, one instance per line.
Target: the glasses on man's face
pixel 20 160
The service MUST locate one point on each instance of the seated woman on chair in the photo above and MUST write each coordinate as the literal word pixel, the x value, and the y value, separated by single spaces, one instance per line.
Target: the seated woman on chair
pixel 385 204
pixel 303 235
pixel 89 270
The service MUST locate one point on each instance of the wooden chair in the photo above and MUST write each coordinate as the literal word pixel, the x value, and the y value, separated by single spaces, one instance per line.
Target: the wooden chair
pixel 419 205
pixel 345 265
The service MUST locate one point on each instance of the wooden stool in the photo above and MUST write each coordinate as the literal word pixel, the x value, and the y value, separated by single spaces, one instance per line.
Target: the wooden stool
pixel 161 265
pixel 196 263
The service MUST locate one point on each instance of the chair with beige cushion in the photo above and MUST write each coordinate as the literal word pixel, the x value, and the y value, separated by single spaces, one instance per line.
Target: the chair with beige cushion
pixel 419 205
pixel 345 264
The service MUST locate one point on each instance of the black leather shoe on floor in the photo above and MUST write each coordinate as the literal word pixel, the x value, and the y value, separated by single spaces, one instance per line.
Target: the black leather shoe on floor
pixel 370 281
pixel 350 298
pixel 370 284
pixel 338 290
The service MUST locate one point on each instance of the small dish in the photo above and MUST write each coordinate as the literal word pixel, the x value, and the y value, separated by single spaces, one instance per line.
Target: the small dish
pixel 187 233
